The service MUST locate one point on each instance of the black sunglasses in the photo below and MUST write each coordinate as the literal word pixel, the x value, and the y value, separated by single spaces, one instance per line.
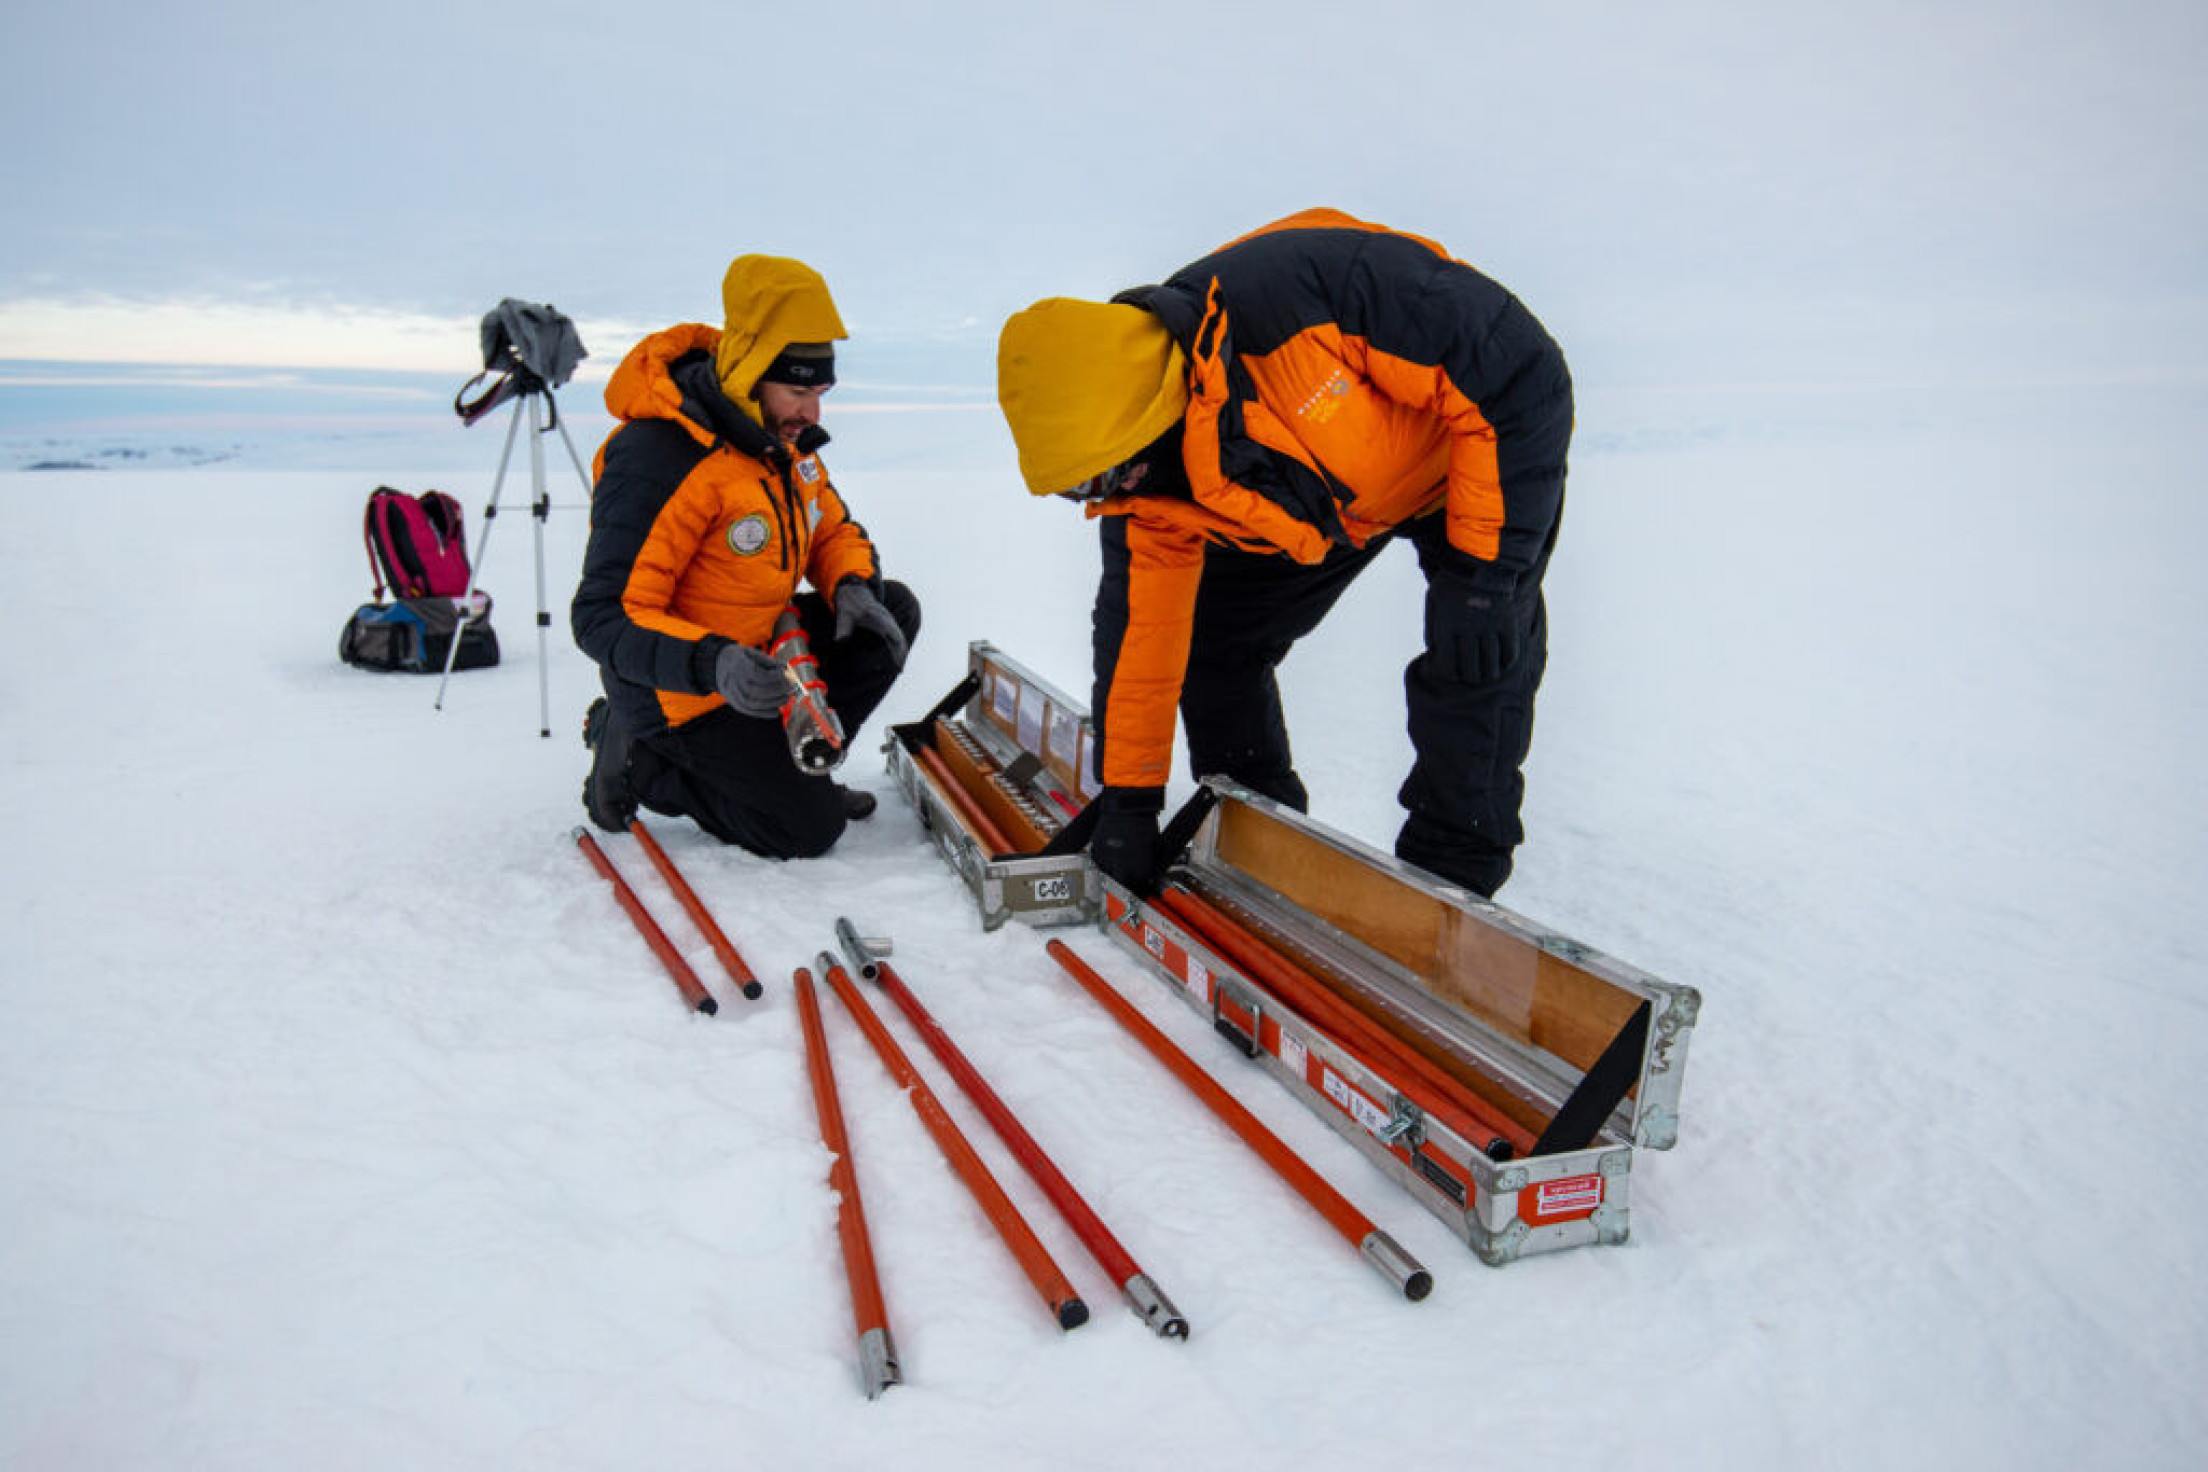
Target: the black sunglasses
pixel 1124 476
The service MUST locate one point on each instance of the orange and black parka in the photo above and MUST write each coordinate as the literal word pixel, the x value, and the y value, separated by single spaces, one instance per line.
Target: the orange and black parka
pixel 1341 378
pixel 702 527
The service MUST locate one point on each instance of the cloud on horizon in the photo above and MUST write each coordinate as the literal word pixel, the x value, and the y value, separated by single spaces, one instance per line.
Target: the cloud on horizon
pixel 212 332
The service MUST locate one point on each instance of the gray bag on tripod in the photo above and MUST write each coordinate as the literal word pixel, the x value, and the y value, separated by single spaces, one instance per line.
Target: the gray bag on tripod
pixel 529 345
pixel 537 337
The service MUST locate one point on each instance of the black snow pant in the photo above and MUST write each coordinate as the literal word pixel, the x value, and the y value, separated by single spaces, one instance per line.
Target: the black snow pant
pixel 1251 608
pixel 733 775
pixel 1470 740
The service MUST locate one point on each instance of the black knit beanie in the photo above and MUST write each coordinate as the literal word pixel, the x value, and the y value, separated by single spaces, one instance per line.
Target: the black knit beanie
pixel 803 365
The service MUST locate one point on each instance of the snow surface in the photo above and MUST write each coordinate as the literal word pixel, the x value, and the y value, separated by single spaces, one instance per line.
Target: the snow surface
pixel 345 1123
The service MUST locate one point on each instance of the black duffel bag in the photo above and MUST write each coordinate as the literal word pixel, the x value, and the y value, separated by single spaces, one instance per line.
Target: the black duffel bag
pixel 415 635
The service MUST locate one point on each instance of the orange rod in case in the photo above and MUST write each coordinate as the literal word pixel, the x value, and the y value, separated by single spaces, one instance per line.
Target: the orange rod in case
pixel 686 980
pixel 1376 1246
pixel 1034 1259
pixel 1451 1101
pixel 731 960
pixel 984 829
pixel 878 1369
pixel 1022 820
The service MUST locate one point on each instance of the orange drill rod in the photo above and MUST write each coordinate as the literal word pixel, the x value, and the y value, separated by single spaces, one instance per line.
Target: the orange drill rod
pixel 686 981
pixel 731 961
pixel 1034 1259
pixel 1482 1125
pixel 1377 1247
pixel 960 798
pixel 1149 1304
pixel 878 1368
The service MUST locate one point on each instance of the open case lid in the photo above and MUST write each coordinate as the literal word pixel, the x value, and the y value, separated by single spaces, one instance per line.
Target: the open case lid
pixel 1032 716
pixel 1553 1005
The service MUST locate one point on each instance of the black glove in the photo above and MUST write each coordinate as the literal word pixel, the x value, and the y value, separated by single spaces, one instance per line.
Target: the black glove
pixel 1473 635
pixel 1125 844
pixel 858 608
pixel 751 680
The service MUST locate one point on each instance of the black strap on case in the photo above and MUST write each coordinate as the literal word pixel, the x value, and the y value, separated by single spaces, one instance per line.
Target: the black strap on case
pixel 1599 1089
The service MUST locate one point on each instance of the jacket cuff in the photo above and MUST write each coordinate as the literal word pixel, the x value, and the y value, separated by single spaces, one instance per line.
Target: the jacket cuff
pixel 871 584
pixel 703 657
pixel 1134 799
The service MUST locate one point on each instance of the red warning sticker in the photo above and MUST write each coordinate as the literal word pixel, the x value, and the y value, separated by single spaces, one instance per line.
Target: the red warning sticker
pixel 1561 1200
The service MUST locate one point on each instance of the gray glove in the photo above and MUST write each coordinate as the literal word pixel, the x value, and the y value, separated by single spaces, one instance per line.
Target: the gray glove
pixel 751 680
pixel 858 608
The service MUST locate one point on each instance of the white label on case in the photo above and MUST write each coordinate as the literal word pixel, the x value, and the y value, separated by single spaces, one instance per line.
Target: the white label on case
pixel 1292 1053
pixel 1199 980
pixel 1361 1109
pixel 1065 735
pixel 1090 786
pixel 1031 720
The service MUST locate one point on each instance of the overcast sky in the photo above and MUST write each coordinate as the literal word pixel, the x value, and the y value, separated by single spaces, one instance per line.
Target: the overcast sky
pixel 180 178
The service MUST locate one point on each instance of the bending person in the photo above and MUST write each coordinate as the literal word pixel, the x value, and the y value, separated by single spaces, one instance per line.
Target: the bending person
pixel 1249 435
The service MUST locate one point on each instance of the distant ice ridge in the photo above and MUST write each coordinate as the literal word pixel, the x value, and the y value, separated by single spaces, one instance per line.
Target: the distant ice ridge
pixel 61 454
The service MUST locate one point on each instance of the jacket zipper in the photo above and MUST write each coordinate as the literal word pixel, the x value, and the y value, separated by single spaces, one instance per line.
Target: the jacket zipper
pixel 782 543
pixel 794 512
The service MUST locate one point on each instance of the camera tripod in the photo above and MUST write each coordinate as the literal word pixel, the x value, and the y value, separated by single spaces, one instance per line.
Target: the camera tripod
pixel 527 387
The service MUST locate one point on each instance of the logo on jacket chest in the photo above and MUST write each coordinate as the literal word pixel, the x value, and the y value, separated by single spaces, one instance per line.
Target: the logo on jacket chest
pixel 749 536
pixel 1325 401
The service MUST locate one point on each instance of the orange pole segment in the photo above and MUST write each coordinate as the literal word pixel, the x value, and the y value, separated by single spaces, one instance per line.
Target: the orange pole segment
pixel 1116 1261
pixel 1342 1215
pixel 731 961
pixel 1478 1121
pixel 1034 1259
pixel 961 799
pixel 869 1315
pixel 686 981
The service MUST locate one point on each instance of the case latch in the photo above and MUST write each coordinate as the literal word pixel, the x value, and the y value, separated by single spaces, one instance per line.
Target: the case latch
pixel 1222 992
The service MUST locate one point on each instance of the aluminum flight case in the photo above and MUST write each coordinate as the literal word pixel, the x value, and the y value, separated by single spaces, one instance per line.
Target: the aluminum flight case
pixel 1582 1055
pixel 1005 753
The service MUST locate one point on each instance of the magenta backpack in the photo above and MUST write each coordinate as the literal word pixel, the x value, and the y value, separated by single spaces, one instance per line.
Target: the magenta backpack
pixel 415 544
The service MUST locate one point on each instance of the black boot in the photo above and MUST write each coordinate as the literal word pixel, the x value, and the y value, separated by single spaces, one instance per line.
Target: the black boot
pixel 607 795
pixel 856 804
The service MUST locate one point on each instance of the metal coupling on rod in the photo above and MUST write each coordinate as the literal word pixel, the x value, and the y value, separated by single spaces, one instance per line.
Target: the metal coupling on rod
pixel 1155 1308
pixel 863 952
pixel 1397 1266
pixel 878 1363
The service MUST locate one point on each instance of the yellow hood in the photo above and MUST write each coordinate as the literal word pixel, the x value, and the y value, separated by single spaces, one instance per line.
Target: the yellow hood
pixel 1083 386
pixel 770 302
